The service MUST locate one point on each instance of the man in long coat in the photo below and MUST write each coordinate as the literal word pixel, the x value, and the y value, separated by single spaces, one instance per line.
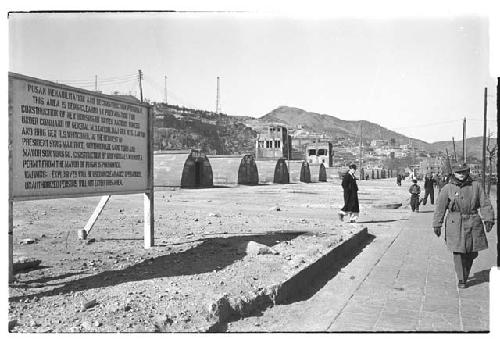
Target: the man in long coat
pixel 351 203
pixel 429 188
pixel 464 233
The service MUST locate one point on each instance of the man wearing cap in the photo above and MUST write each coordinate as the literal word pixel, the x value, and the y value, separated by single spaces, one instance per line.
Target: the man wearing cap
pixel 463 227
pixel 351 203
pixel 414 195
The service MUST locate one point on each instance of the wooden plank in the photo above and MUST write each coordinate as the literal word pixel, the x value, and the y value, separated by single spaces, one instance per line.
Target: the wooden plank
pixel 96 213
pixel 150 194
pixel 11 244
pixel 11 203
pixel 148 220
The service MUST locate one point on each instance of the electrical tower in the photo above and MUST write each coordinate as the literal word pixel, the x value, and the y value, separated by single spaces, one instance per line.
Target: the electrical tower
pixel 140 83
pixel 166 102
pixel 464 144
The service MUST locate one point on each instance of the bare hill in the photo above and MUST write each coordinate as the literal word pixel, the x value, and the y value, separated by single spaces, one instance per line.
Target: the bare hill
pixel 474 147
pixel 335 127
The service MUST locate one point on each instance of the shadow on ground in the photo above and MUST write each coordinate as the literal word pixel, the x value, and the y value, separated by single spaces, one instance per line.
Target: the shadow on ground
pixel 328 273
pixel 479 278
pixel 211 254
pixel 378 221
pixel 44 280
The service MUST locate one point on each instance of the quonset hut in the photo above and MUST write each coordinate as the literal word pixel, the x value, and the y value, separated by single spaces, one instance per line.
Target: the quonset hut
pixel 182 168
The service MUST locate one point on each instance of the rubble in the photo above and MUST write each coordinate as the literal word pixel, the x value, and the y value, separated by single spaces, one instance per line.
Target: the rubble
pixel 254 248
pixel 86 304
pixel 27 241
pixel 191 264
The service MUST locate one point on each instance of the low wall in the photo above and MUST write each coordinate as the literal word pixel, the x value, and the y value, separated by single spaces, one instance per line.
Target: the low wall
pixel 225 168
pixel 314 169
pixel 294 167
pixel 168 168
pixel 266 170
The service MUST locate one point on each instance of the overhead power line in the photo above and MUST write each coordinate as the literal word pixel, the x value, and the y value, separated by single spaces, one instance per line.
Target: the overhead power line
pixel 171 94
pixel 428 124
pixel 100 80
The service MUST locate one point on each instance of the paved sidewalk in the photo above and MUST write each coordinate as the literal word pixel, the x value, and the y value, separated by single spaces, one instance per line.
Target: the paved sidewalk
pixel 402 280
pixel 413 287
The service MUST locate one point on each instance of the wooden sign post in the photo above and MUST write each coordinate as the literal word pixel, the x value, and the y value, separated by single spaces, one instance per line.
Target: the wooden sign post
pixel 67 142
pixel 149 216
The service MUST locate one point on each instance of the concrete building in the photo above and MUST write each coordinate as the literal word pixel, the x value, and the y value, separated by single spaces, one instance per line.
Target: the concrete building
pixel 429 165
pixel 320 153
pixel 379 143
pixel 301 139
pixel 273 143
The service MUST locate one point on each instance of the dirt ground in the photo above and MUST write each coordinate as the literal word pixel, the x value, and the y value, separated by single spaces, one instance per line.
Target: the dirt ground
pixel 201 236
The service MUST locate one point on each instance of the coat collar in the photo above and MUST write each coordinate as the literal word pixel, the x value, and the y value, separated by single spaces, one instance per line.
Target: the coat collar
pixel 467 181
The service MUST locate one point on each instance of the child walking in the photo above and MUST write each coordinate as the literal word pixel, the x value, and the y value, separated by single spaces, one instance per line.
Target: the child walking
pixel 415 196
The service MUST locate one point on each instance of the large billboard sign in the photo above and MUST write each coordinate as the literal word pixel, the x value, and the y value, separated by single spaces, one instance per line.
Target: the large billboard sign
pixel 69 142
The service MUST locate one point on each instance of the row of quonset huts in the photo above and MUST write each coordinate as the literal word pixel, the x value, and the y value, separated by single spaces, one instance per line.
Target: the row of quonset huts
pixel 192 169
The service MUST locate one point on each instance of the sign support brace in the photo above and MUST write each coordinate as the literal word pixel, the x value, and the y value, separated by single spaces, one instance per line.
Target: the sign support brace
pixel 82 234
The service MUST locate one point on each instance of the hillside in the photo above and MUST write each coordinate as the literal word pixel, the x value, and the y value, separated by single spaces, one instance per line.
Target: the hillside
pixel 181 128
pixel 474 147
pixel 335 127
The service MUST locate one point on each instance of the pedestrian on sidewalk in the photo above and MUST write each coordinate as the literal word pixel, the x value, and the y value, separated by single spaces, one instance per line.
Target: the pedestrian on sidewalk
pixel 415 195
pixel 398 179
pixel 429 188
pixel 351 203
pixel 464 232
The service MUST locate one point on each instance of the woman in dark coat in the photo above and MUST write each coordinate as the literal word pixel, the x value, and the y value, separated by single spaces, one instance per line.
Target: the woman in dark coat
pixel 351 203
pixel 463 228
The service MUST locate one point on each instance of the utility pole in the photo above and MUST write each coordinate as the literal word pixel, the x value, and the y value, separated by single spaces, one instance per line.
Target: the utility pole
pixel 491 153
pixel 448 162
pixel 360 149
pixel 166 102
pixel 484 138
pixel 140 83
pixel 95 85
pixel 454 149
pixel 464 147
pixel 217 99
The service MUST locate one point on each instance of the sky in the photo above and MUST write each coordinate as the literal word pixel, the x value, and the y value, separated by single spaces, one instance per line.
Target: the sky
pixel 419 76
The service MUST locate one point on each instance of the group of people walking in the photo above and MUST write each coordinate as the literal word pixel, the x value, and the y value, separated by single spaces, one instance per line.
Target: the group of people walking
pixel 459 201
pixel 429 182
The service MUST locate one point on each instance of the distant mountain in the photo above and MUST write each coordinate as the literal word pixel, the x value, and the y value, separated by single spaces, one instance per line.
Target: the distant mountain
pixel 335 127
pixel 180 128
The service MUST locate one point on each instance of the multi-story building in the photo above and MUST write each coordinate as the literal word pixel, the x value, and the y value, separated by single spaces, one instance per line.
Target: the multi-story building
pixel 379 143
pixel 273 143
pixel 431 165
pixel 320 153
pixel 301 139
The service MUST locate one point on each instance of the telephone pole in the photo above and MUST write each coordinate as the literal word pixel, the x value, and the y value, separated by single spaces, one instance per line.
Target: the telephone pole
pixel 217 99
pixel 448 162
pixel 360 149
pixel 140 83
pixel 464 147
pixel 484 138
pixel 95 84
pixel 454 150
pixel 166 102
